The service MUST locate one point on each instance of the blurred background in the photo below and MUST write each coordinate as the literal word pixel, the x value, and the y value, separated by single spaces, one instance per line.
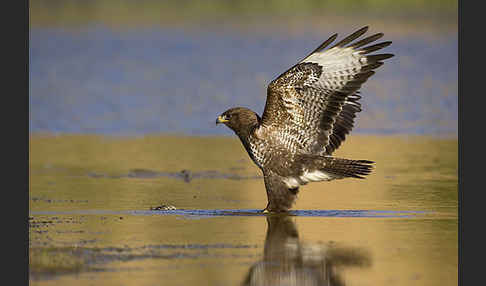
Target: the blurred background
pixel 138 67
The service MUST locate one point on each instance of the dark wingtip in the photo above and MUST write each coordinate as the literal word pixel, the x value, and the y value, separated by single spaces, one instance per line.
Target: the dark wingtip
pixel 380 57
pixel 363 29
pixel 367 40
pixel 352 37
pixel 324 44
pixel 375 47
pixel 365 161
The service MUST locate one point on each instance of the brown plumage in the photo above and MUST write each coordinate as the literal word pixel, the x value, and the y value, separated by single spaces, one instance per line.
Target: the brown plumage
pixel 310 109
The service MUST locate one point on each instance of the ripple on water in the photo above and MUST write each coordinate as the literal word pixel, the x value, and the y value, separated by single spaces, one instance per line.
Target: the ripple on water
pixel 195 213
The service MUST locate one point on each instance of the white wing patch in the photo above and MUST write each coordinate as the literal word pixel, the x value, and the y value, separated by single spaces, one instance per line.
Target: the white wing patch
pixel 340 64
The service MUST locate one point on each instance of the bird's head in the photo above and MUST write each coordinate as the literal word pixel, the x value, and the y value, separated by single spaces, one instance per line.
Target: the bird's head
pixel 239 119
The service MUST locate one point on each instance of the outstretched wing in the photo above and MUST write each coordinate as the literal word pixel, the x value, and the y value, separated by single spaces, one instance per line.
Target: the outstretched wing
pixel 312 105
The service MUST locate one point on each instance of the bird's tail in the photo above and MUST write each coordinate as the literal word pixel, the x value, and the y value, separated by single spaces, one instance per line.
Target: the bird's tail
pixel 343 168
pixel 326 168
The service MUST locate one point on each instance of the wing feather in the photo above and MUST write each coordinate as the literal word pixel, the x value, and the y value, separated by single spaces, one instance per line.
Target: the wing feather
pixel 376 47
pixel 311 107
pixel 351 37
pixel 367 40
pixel 325 44
pixel 344 123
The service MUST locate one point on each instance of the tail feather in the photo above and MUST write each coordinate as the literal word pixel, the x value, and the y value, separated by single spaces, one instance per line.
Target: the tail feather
pixel 326 168
pixel 348 168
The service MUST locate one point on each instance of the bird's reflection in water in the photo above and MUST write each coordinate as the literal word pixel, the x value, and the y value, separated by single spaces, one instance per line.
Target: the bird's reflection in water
pixel 288 261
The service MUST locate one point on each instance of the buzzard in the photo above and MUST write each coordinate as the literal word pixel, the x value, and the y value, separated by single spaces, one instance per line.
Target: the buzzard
pixel 310 109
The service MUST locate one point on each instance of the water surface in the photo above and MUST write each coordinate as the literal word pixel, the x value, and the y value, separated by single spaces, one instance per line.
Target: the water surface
pixel 91 219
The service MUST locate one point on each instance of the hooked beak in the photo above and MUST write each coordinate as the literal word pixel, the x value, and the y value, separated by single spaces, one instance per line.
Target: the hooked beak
pixel 221 119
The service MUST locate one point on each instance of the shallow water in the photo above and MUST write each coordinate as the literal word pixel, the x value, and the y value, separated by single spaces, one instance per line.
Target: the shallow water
pixel 91 217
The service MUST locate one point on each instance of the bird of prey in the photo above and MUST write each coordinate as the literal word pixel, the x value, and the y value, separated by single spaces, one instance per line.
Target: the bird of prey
pixel 309 110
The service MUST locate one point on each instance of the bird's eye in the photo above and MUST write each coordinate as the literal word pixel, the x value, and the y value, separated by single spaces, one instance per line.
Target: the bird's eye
pixel 227 116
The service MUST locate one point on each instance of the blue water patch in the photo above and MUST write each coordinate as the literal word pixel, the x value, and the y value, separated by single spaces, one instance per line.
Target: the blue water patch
pixel 301 213
pixel 195 213
pixel 172 80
